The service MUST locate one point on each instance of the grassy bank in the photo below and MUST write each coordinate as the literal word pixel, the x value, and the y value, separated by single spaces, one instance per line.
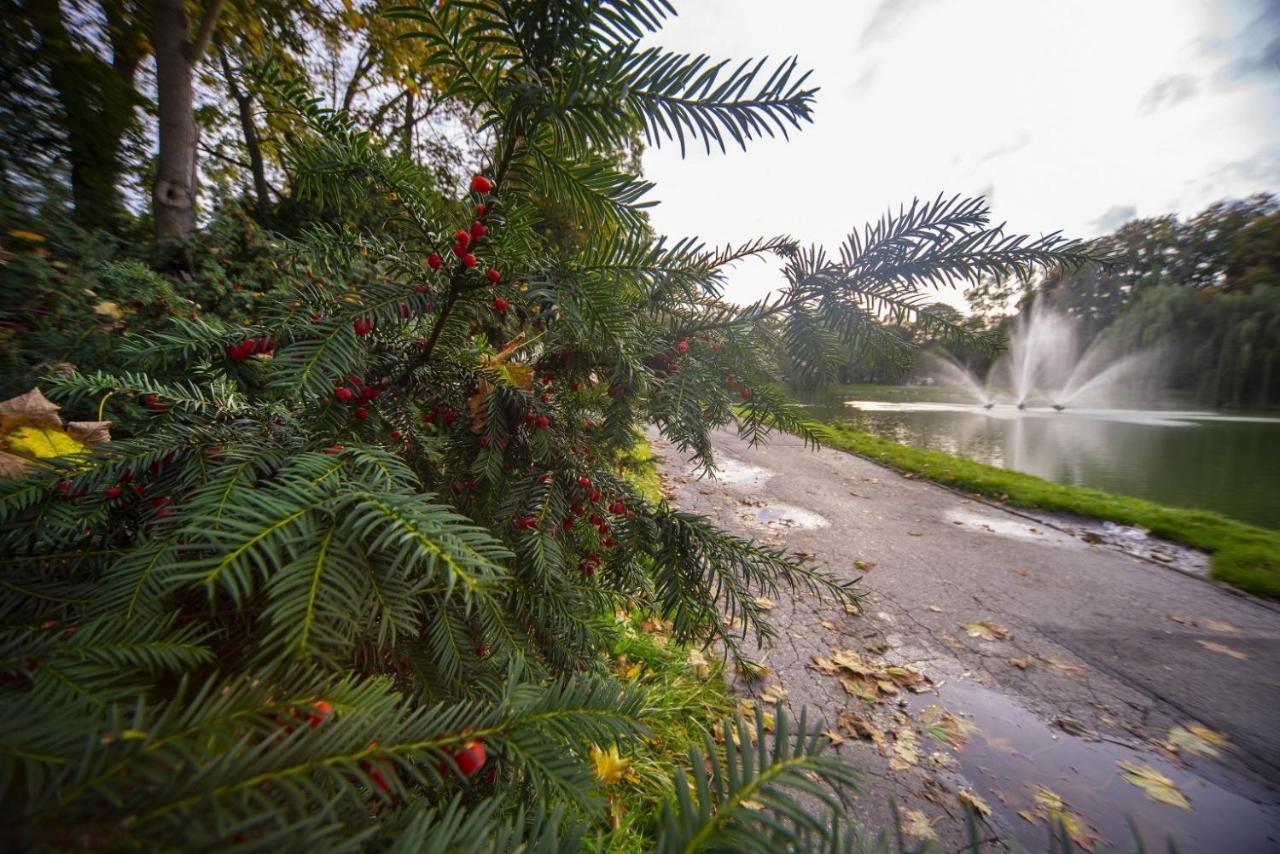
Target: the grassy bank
pixel 1243 555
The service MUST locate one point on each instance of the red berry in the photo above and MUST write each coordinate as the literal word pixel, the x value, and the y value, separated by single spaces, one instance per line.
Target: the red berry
pixel 478 230
pixel 608 542
pixel 450 417
pixel 746 394
pixel 493 275
pixel 596 519
pixel 481 184
pixel 527 522
pixel 362 414
pixel 422 343
pixel 617 509
pixel 433 260
pixel 484 441
pixel 528 418
pixel 160 502
pixel 420 289
pixel 499 304
pixel 543 422
pixel 344 394
pixel 153 403
pixel 584 481
pixel 468 260
pixel 480 209
pixel 462 237
pixel 471 758
pixel 459 249
pixel 396 435
pixel 404 310
pixel 113 492
pixel 163 512
pixel 683 346
pixel 362 325
pixel 323 711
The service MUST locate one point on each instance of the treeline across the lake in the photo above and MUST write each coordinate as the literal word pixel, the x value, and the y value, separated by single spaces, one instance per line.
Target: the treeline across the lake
pixel 1204 291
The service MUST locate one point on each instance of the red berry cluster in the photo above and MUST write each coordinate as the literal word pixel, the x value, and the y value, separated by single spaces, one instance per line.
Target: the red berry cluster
pixel 252 347
pixel 356 393
pixel 362 325
pixel 470 758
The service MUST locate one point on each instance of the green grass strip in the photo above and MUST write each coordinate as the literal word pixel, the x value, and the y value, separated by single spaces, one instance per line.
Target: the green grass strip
pixel 1243 555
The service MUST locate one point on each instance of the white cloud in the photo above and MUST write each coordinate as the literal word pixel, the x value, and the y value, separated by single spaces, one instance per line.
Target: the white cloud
pixel 1046 106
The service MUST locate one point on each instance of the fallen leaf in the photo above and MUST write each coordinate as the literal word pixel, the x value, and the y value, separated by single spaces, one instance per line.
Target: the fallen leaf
pixel 1197 738
pixel 610 767
pixel 1219 626
pixel 942 760
pixel 773 693
pixel 970 797
pixel 1071 726
pixel 906 750
pixel 1054 809
pixel 827 624
pixel 858 726
pixel 764 603
pixel 917 825
pixel 861 687
pixel 834 737
pixel 1157 786
pixel 935 609
pixel 1178 618
pixel 944 726
pixel 31 430
pixel 1068 668
pixel 107 308
pixel 698 663
pixel 1021 663
pixel 863 565
pixel 987 630
pixel 1222 649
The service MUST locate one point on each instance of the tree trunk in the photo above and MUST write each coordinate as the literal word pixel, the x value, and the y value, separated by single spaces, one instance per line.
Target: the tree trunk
pixel 97 102
pixel 244 104
pixel 174 193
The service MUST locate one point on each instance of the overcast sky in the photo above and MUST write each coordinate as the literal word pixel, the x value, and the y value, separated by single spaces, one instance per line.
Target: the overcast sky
pixel 1075 115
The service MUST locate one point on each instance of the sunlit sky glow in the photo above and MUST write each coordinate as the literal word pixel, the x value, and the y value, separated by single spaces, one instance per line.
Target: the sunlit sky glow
pixel 1075 115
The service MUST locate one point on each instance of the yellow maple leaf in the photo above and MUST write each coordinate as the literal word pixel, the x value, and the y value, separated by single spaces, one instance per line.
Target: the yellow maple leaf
pixel 31 429
pixel 29 236
pixel 610 767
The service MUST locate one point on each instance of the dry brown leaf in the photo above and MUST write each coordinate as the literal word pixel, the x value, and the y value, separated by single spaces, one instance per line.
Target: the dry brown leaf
pixel 987 630
pixel 764 603
pixel 835 737
pixel 935 609
pixel 698 663
pixel 773 693
pixel 827 624
pixel 1178 618
pixel 1051 807
pixel 861 687
pixel 858 726
pixel 1021 663
pixel 863 565
pixel 1219 626
pixel 31 430
pixel 1222 649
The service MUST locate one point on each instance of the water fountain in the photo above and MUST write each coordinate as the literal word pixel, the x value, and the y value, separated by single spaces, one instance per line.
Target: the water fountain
pixel 1045 366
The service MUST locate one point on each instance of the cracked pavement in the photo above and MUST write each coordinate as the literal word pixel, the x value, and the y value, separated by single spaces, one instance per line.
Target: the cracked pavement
pixel 1105 653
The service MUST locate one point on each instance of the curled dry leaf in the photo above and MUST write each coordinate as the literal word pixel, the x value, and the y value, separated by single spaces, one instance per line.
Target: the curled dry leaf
pixel 863 565
pixel 858 726
pixel 773 693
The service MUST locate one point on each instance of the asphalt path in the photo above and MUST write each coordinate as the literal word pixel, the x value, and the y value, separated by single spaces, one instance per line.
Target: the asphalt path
pixel 1055 664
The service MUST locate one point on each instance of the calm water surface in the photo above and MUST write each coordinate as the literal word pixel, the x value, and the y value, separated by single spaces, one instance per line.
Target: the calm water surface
pixel 1229 463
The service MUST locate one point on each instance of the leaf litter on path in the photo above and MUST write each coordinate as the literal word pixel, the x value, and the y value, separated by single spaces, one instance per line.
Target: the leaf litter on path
pixel 1197 738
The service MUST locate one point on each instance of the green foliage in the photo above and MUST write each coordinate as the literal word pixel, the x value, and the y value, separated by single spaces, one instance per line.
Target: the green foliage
pixel 1243 555
pixel 347 574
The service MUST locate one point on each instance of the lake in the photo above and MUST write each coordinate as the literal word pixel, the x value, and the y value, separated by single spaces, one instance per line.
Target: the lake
pixel 1225 462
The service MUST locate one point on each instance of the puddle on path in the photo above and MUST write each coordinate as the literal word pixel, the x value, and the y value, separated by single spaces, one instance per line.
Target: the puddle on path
pixel 1013 751
pixel 789 516
pixel 1011 527
pixel 737 473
